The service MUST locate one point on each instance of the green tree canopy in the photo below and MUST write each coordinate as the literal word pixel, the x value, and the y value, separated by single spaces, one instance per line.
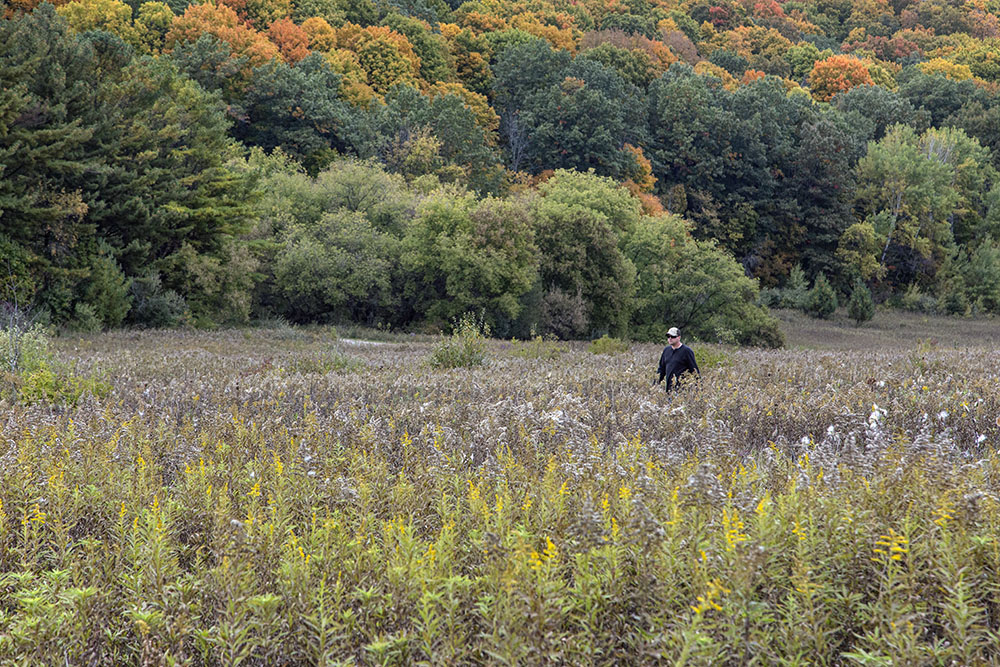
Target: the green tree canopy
pixel 693 285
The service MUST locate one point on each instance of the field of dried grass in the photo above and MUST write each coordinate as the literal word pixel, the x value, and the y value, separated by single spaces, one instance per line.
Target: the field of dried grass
pixel 287 497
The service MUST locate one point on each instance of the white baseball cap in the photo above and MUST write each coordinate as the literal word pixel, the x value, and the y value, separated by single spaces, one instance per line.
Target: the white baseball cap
pixel 673 331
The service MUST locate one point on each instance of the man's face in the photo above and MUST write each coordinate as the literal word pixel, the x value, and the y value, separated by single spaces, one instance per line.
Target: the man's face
pixel 673 340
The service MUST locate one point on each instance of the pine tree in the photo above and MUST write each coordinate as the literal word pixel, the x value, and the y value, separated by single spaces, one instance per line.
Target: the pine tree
pixel 821 301
pixel 861 307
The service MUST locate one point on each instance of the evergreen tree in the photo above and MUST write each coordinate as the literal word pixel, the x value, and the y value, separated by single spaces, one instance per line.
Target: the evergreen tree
pixel 822 300
pixel 107 291
pixel 861 307
pixel 48 106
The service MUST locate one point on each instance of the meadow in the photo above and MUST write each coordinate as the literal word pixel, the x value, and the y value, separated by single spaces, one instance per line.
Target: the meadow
pixel 287 496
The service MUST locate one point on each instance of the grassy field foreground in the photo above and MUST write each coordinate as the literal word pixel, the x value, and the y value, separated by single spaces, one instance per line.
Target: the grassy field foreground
pixel 283 497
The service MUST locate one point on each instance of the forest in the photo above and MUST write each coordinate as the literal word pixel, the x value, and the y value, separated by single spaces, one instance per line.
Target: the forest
pixel 563 167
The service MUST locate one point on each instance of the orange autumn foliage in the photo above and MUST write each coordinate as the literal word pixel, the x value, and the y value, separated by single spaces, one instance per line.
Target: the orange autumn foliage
pixel 837 74
pixel 14 7
pixel 291 40
pixel 642 177
pixel 222 23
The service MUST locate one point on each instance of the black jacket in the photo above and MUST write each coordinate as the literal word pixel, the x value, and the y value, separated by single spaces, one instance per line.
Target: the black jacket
pixel 674 363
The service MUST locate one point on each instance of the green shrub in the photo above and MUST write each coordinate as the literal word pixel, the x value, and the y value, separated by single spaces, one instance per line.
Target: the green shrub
pixel 539 348
pixel 708 357
pixel 770 297
pixel 31 375
pixel 23 350
pixel 85 318
pixel 861 307
pixel 916 301
pixel 153 306
pixel 608 345
pixel 465 347
pixel 981 272
pixel 952 300
pixel 326 363
pixel 821 301
pixel 57 387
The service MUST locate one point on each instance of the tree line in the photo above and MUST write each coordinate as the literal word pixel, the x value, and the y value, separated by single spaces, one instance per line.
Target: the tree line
pixel 167 162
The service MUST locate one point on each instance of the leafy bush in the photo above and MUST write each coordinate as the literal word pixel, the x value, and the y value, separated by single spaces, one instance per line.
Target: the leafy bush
pixel 539 348
pixel 607 345
pixel 564 315
pixel 153 306
pixel 23 349
pixel 465 347
pixel 915 301
pixel 32 375
pixel 796 289
pixel 338 268
pixel 952 299
pixel 710 357
pixel 85 318
pixel 981 271
pixel 57 387
pixel 325 363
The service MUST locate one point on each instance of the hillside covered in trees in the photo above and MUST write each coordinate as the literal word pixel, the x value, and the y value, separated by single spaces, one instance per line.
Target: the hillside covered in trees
pixel 572 167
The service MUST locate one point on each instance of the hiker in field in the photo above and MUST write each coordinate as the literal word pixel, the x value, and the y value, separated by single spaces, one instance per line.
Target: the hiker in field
pixel 676 361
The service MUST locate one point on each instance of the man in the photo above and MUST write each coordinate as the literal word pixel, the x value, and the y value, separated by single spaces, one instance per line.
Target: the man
pixel 676 360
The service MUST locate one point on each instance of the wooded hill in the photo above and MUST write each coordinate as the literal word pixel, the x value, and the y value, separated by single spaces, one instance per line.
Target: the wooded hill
pixel 572 167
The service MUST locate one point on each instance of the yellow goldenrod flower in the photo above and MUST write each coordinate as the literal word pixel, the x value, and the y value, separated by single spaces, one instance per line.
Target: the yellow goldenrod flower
pixel 526 505
pixel 715 590
pixel 551 553
pixel 797 529
pixel 763 505
pixel 732 527
pixel 944 512
pixel 890 547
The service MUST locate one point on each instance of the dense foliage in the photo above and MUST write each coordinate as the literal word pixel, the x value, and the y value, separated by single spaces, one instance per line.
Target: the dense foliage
pixel 280 497
pixel 852 140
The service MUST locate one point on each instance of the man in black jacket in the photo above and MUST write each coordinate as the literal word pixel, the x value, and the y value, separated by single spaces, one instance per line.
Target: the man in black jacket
pixel 676 360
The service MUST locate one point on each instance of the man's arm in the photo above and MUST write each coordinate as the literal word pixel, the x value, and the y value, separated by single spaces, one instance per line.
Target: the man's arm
pixel 662 369
pixel 694 364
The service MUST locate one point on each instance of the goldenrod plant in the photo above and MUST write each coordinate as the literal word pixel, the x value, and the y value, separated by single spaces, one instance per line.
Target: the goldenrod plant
pixel 239 497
